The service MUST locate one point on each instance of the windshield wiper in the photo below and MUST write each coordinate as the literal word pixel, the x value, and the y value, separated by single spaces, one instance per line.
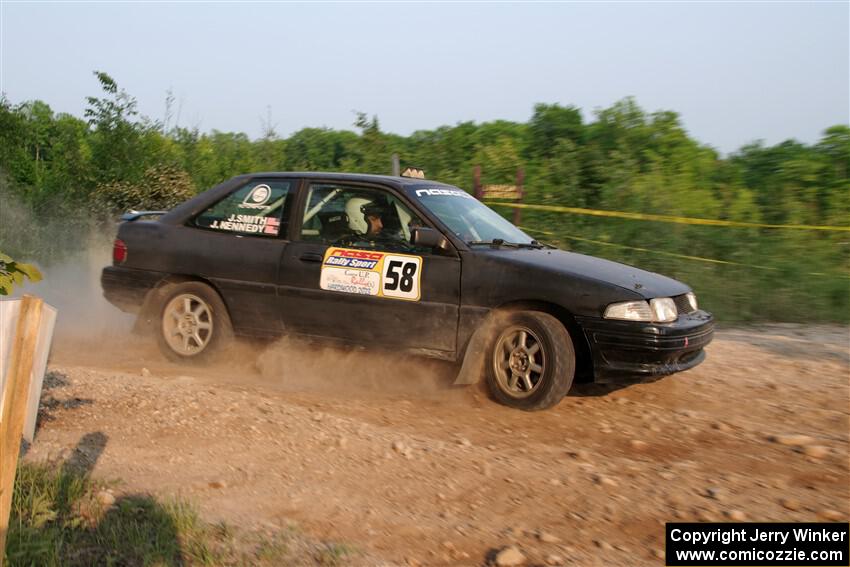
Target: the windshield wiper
pixel 495 243
pixel 533 244
pixel 498 242
pixel 538 244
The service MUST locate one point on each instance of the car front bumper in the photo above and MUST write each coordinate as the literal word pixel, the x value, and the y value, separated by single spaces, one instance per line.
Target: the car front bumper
pixel 624 350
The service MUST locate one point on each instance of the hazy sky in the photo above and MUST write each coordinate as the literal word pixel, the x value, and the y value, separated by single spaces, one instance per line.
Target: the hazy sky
pixel 735 72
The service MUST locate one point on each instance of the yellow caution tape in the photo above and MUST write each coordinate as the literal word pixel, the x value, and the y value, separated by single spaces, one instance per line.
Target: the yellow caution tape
pixel 665 218
pixel 673 254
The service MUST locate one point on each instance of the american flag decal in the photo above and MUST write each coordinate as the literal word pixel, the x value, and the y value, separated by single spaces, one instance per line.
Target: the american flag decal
pixel 272 226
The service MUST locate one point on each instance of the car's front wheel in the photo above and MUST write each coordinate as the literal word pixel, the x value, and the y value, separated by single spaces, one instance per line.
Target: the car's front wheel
pixel 531 361
pixel 193 322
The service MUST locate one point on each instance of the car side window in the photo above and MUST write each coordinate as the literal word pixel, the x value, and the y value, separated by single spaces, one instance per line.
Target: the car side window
pixel 357 217
pixel 258 208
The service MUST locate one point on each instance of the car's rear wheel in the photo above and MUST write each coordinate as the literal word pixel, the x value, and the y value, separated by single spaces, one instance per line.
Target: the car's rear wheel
pixel 531 361
pixel 193 322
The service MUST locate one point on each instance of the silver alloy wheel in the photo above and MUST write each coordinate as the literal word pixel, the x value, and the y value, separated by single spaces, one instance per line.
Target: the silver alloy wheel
pixel 187 324
pixel 519 362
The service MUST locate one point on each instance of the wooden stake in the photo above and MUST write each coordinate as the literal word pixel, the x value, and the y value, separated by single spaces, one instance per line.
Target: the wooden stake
pixel 15 394
pixel 520 182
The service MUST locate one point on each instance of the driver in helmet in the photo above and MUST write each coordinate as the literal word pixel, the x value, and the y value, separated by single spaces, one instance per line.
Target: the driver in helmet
pixel 365 217
pixel 374 218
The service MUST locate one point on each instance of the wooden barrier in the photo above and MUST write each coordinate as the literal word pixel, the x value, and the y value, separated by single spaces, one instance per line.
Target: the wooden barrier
pixel 514 193
pixel 15 396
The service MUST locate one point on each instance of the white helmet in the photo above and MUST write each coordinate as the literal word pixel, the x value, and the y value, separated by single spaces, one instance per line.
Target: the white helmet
pixel 357 208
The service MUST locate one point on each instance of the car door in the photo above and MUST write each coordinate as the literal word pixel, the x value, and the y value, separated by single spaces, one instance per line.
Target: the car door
pixel 336 280
pixel 237 244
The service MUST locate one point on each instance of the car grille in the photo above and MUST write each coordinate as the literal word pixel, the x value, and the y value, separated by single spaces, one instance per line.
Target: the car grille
pixel 682 304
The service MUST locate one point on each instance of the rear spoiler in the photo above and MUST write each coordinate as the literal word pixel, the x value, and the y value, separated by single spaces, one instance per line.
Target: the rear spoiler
pixel 136 215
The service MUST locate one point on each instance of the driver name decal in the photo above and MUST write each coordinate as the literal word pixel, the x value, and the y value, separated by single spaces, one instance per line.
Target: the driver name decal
pixel 248 223
pixel 395 276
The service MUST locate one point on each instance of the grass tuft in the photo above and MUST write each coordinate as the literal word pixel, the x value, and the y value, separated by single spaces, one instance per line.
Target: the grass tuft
pixel 62 517
pixel 333 554
pixel 58 519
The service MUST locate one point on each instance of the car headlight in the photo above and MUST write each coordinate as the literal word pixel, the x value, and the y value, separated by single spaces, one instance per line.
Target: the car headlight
pixel 692 300
pixel 663 310
pixel 658 310
pixel 629 311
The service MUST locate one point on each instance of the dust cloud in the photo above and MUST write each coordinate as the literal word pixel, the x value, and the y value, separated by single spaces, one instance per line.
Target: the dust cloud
pixel 73 288
pixel 89 330
pixel 295 364
pixel 70 248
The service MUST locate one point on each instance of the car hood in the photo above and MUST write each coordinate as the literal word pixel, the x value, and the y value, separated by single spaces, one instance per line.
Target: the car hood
pixel 573 265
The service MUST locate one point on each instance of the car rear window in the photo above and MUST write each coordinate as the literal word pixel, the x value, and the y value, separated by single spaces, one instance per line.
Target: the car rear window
pixel 258 208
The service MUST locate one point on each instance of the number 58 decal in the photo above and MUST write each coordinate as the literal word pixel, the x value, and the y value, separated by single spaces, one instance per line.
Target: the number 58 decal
pixel 401 277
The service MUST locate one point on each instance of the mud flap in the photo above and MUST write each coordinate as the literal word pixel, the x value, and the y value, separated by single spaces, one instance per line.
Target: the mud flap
pixel 472 369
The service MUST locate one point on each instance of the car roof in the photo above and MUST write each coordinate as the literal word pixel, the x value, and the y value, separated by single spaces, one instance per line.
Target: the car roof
pixel 401 182
pixel 193 206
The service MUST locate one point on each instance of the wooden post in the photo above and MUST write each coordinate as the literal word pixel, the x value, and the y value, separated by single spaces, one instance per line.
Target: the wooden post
pixel 520 179
pixel 396 166
pixel 477 190
pixel 15 394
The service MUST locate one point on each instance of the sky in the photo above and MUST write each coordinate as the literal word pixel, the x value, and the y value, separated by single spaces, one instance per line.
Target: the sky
pixel 735 72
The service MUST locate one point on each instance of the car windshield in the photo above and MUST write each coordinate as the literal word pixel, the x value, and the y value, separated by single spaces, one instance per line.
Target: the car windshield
pixel 469 218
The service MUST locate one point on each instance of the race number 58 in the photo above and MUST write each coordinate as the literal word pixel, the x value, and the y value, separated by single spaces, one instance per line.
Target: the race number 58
pixel 401 276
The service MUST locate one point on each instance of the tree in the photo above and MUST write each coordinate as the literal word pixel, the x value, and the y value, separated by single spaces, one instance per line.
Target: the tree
pixel 161 188
pixel 39 119
pixel 269 147
pixel 374 155
pixel 561 175
pixel 113 111
pixel 499 161
pixel 14 157
pixel 69 174
pixel 116 155
pixel 550 123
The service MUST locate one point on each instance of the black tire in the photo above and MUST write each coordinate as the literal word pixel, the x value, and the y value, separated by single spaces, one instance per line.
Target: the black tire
pixel 526 376
pixel 208 333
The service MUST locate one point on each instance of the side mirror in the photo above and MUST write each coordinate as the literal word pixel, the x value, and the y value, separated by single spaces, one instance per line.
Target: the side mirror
pixel 428 238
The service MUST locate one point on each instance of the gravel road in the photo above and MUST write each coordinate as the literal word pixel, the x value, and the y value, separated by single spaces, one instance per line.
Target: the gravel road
pixel 386 456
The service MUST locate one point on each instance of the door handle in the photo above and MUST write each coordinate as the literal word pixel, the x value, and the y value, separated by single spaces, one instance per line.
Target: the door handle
pixel 311 257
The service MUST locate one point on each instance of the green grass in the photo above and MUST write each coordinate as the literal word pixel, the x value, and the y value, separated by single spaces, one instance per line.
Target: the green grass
pixel 58 520
pixel 333 554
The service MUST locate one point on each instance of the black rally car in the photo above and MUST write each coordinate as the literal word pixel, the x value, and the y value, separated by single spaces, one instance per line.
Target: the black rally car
pixel 401 264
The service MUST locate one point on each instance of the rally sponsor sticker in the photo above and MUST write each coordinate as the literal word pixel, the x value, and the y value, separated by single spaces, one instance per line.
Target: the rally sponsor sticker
pixel 257 197
pixel 437 192
pixel 363 272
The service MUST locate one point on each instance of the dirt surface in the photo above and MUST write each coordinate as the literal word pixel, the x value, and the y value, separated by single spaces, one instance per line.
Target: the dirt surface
pixel 386 456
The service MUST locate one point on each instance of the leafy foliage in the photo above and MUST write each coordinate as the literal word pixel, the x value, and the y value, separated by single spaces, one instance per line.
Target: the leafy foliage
pixel 12 273
pixel 161 188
